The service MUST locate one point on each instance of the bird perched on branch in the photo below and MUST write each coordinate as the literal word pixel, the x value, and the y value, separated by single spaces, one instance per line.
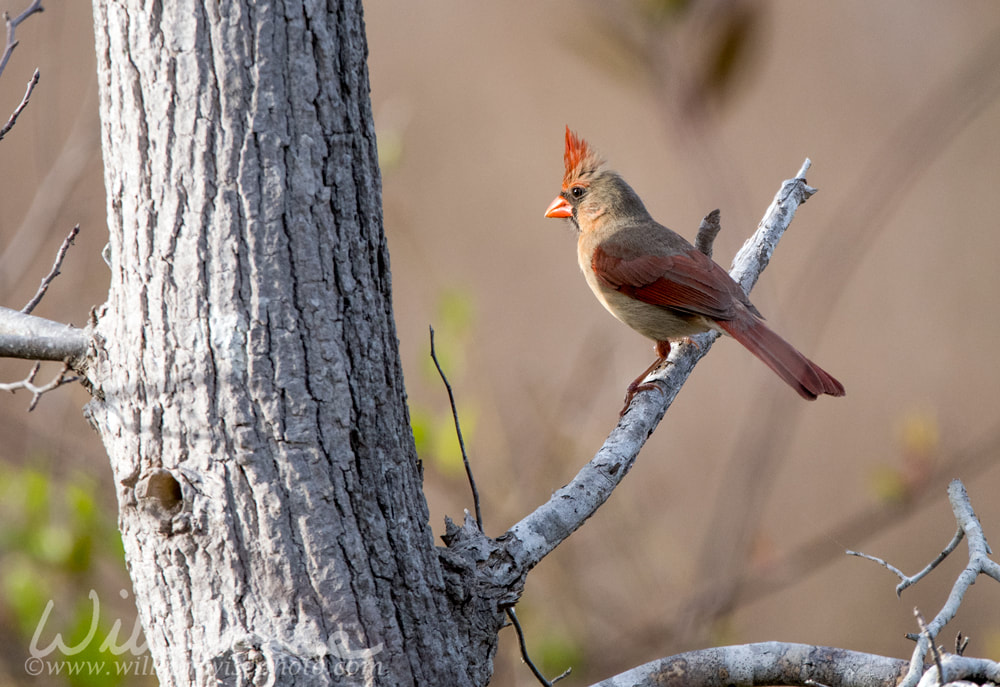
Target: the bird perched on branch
pixel 657 283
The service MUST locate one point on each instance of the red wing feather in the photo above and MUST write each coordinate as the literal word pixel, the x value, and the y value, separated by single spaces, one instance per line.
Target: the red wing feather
pixel 689 282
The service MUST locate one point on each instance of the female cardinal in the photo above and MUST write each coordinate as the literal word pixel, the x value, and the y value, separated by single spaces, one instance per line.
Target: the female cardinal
pixel 657 283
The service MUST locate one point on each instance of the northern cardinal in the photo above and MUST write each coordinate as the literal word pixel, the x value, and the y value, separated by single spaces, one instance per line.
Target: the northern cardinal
pixel 657 283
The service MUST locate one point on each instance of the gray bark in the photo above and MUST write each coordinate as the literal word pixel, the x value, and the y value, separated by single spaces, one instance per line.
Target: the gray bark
pixel 247 383
pixel 245 369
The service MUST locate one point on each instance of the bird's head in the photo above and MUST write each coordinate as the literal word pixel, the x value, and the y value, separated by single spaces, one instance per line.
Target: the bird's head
pixel 590 192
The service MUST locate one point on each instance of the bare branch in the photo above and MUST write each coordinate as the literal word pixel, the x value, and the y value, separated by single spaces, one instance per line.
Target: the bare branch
pixel 979 563
pixel 458 431
pixel 908 580
pixel 12 24
pixel 924 632
pixel 543 530
pixel 28 383
pixel 801 560
pixel 961 671
pixel 511 613
pixel 952 545
pixel 35 338
pixel 53 273
pixel 526 658
pixel 12 120
pixel 765 663
pixel 888 566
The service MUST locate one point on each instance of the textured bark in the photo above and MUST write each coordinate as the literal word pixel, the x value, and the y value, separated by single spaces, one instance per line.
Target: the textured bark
pixel 247 386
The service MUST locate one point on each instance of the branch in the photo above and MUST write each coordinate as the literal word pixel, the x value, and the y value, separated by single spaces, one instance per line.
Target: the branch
pixel 53 273
pixel 801 560
pixel 23 335
pixel 765 663
pixel 458 433
pixel 12 25
pixel 511 613
pixel 28 383
pixel 707 232
pixel 12 120
pixel 526 658
pixel 35 338
pixel 979 563
pixel 544 529
pixel 909 580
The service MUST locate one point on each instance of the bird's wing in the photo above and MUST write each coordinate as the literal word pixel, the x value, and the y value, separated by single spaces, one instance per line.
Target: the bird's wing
pixel 690 282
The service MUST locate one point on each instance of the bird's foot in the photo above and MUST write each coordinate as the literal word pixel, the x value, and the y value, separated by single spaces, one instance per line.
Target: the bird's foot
pixel 634 389
pixel 691 342
pixel 638 385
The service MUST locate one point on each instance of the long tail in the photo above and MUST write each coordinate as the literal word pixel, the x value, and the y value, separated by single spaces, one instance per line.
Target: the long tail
pixel 800 373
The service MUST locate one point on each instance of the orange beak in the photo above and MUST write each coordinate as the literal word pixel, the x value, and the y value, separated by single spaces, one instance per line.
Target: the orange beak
pixel 560 207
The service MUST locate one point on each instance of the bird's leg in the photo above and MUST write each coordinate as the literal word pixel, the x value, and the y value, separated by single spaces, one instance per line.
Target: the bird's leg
pixel 662 351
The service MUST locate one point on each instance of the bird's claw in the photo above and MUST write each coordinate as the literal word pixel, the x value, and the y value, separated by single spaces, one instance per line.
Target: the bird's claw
pixel 634 388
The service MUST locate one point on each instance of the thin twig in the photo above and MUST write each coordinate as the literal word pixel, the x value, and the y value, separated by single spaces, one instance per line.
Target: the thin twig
pixel 934 650
pixel 888 566
pixel 910 580
pixel 28 383
pixel 12 24
pixel 53 273
pixel 524 653
pixel 458 431
pixel 23 104
pixel 961 644
pixel 479 516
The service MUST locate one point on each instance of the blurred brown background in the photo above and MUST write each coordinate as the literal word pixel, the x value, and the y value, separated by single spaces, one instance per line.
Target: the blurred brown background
pixel 887 278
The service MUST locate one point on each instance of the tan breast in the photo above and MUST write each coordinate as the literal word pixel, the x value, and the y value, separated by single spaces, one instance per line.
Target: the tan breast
pixel 652 321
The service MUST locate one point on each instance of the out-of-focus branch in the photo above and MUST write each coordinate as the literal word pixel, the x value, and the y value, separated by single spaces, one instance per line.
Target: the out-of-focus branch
pixel 35 338
pixel 544 529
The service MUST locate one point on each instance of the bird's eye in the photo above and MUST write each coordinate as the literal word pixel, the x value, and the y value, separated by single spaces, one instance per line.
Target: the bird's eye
pixel 576 191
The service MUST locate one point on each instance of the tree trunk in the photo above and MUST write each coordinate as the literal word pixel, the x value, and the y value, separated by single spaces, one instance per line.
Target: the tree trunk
pixel 247 384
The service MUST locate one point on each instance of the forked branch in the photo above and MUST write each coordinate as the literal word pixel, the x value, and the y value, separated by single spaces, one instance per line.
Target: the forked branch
pixel 37 390
pixel 953 666
pixel 22 335
pixel 11 25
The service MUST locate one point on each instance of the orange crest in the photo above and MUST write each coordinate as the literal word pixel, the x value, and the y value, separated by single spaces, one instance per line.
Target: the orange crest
pixel 579 159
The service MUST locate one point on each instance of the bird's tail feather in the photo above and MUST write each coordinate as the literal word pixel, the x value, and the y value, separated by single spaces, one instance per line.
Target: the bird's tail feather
pixel 800 373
